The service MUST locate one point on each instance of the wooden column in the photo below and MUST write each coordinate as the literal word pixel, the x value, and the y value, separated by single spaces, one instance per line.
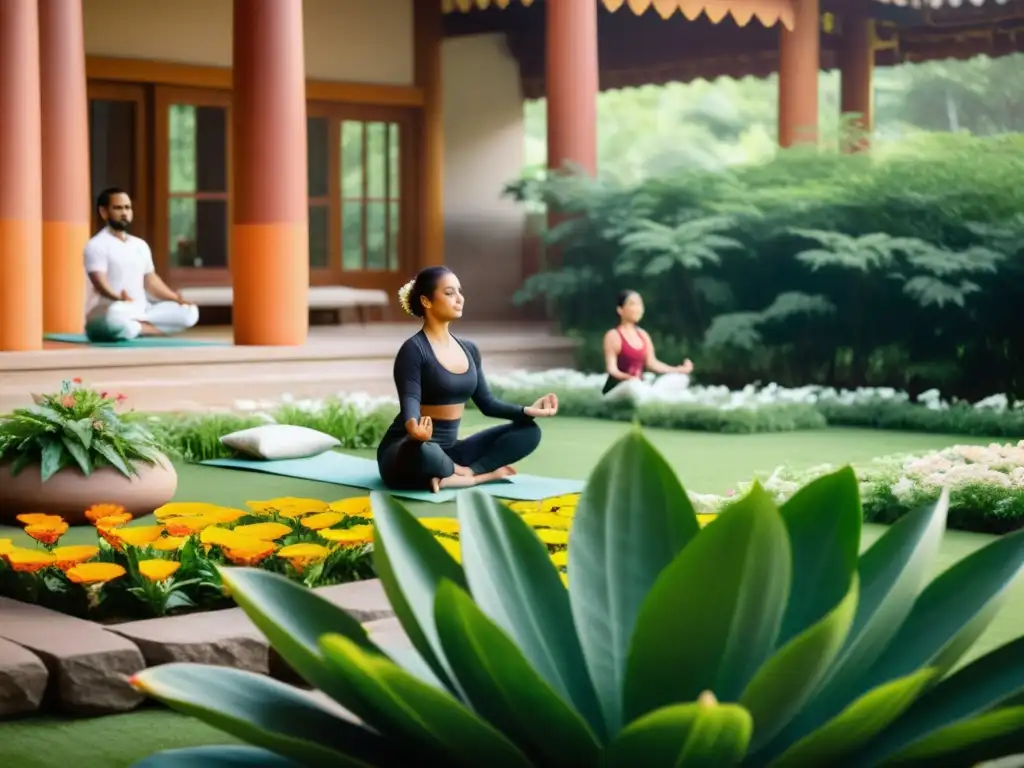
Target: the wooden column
pixel 799 63
pixel 857 68
pixel 21 179
pixel 270 218
pixel 428 36
pixel 65 144
pixel 572 84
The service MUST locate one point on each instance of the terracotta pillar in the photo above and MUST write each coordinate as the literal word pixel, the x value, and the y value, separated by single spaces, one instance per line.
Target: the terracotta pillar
pixel 572 84
pixel 857 68
pixel 799 63
pixel 21 179
pixel 269 233
pixel 427 44
pixel 66 204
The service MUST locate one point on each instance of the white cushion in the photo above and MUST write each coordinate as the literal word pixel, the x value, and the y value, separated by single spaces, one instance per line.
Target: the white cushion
pixel 320 297
pixel 280 441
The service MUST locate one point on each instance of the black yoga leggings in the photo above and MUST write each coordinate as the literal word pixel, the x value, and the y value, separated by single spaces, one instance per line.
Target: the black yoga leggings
pixel 408 465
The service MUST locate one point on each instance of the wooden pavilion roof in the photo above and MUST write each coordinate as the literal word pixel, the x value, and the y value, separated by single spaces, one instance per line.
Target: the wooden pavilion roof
pixel 644 42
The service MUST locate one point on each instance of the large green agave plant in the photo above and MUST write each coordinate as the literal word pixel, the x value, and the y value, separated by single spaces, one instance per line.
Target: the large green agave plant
pixel 765 638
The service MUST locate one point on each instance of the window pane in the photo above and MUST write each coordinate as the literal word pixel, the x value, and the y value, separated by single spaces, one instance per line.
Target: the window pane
pixel 394 225
pixel 394 162
pixel 197 151
pixel 376 235
pixel 198 231
pixel 376 160
pixel 319 237
pixel 351 159
pixel 316 155
pixel 352 234
pixel 111 145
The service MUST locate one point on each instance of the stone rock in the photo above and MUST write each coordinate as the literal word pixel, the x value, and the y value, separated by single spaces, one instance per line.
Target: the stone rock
pixel 89 667
pixel 363 600
pixel 23 679
pixel 223 638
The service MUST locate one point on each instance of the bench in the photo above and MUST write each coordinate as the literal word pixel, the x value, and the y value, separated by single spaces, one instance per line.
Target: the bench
pixel 332 298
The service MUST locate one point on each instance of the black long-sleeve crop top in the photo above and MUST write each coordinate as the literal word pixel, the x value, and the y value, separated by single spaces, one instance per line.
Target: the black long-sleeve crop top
pixel 422 380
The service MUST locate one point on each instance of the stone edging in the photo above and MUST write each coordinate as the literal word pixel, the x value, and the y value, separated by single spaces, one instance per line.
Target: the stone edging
pixel 54 663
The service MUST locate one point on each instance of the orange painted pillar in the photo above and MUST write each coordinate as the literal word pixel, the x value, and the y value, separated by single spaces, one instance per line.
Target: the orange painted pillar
pixel 21 179
pixel 572 84
pixel 269 233
pixel 857 69
pixel 427 20
pixel 799 63
pixel 66 193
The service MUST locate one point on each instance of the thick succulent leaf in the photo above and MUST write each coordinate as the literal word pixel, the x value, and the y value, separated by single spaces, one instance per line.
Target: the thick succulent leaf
pixel 410 564
pixel 843 735
pixel 823 520
pixel 711 620
pixel 514 583
pixel 988 682
pixel 632 519
pixel 501 686
pixel 293 618
pixel 892 574
pixel 227 756
pixel 266 713
pixel 423 719
pixel 953 611
pixel 694 735
pixel 995 734
pixel 789 678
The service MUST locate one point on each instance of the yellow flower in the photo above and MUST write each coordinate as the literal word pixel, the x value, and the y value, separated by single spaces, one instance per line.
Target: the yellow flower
pixel 112 521
pixel 184 509
pixel 222 537
pixel 96 511
pixel 558 503
pixel 227 514
pixel 322 520
pixel 349 537
pixel 356 506
pixel 158 570
pixel 525 507
pixel 186 526
pixel 28 560
pixel 565 577
pixel 249 554
pixel 73 555
pixel 287 506
pixel 264 531
pixel 441 524
pixel 95 573
pixel 169 543
pixel 560 558
pixel 553 537
pixel 138 537
pixel 452 547
pixel 47 533
pixel 6 545
pixel 547 520
pixel 706 517
pixel 303 555
pixel 38 518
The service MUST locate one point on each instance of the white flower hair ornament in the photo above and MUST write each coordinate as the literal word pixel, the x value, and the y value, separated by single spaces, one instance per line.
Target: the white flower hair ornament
pixel 403 296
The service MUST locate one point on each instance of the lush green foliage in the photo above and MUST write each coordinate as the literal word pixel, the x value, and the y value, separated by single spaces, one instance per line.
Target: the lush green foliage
pixel 764 637
pixel 76 427
pixel 901 267
pixel 197 437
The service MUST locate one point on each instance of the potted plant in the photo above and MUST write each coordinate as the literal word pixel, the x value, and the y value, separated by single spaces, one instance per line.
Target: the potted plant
pixel 72 449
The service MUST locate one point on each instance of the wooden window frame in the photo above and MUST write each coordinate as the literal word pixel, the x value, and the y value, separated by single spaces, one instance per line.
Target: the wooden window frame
pixel 99 90
pixel 163 98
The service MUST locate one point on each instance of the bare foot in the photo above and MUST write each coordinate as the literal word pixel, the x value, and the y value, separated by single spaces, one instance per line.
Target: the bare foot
pixel 148 329
pixel 467 481
pixel 463 471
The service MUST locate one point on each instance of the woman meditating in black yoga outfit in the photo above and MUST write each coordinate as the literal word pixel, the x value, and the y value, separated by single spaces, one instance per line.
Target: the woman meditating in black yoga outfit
pixel 436 373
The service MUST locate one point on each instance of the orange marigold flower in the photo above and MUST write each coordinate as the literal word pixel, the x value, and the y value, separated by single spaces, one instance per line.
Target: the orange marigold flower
pixel 249 554
pixel 38 518
pixel 302 556
pixel 169 543
pixel 322 520
pixel 6 545
pixel 264 531
pixel 186 526
pixel 73 555
pixel 355 506
pixel 95 573
pixel 112 521
pixel 158 570
pixel 28 560
pixel 349 537
pixel 97 511
pixel 287 506
pixel 47 533
pixel 138 537
pixel 68 401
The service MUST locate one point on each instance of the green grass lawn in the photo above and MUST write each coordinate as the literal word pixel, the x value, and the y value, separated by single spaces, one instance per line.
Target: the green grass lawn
pixel 705 462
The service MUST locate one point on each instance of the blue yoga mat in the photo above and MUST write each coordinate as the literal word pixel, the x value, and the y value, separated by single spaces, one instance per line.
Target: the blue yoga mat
pixel 357 472
pixel 136 343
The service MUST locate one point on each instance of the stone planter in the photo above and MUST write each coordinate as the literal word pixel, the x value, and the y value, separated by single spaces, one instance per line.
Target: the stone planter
pixel 69 493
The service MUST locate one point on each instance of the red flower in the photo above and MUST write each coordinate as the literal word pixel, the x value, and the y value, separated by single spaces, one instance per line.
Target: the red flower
pixel 68 401
pixel 77 380
pixel 120 398
pixel 103 395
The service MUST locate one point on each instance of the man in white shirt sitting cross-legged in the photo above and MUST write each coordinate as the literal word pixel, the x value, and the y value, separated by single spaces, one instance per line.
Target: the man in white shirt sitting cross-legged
pixel 122 280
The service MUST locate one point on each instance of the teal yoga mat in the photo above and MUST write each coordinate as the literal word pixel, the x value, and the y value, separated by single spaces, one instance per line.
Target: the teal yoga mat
pixel 137 343
pixel 357 472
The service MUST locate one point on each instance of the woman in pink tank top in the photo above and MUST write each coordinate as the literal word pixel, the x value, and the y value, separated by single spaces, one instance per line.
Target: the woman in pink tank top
pixel 628 349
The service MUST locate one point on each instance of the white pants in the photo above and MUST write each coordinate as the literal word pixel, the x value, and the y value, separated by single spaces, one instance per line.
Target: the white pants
pixel 123 319
pixel 664 388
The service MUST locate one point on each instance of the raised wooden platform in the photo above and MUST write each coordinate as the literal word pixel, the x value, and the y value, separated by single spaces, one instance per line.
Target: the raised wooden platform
pixel 336 359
